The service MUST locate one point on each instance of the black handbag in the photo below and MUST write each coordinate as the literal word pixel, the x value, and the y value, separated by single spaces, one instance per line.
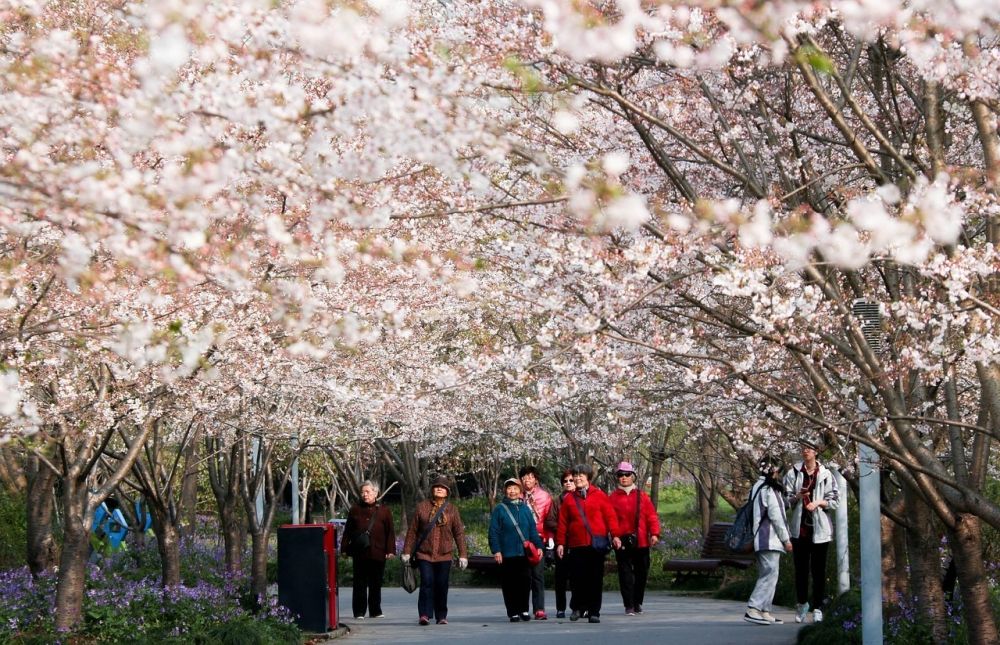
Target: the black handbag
pixel 409 580
pixel 631 540
pixel 363 540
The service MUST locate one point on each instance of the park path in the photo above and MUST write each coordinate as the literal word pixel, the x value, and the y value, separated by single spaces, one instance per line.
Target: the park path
pixel 476 615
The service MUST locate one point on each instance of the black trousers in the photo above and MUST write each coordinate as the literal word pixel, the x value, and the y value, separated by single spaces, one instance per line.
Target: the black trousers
pixel 809 559
pixel 586 575
pixel 367 593
pixel 561 582
pixel 633 571
pixel 515 582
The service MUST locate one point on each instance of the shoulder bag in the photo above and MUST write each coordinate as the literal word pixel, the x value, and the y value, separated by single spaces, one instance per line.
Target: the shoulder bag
pixel 532 552
pixel 601 543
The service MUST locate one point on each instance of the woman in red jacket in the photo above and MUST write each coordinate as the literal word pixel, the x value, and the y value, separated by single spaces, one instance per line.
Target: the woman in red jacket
pixel 640 529
pixel 587 530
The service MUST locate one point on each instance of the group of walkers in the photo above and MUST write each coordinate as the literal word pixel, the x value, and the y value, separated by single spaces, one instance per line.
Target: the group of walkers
pixel 809 489
pixel 578 529
pixel 575 530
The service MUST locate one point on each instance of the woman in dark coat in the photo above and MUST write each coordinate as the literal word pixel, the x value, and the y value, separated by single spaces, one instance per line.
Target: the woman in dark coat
pixel 561 564
pixel 368 521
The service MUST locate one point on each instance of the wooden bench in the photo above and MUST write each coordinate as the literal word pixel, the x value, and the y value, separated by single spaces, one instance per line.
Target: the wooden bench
pixel 484 563
pixel 715 558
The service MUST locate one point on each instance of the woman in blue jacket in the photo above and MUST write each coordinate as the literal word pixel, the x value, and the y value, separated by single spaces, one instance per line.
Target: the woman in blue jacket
pixel 510 525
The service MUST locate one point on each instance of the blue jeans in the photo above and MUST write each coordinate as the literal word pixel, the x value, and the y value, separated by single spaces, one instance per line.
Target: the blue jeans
pixel 432 600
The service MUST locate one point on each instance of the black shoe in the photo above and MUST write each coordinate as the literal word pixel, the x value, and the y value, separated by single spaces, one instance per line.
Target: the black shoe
pixel 525 616
pixel 638 609
pixel 560 614
pixel 594 619
pixel 515 619
pixel 575 615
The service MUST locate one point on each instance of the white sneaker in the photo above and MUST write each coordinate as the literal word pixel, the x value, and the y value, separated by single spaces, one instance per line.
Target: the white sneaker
pixel 755 616
pixel 801 611
pixel 771 619
pixel 817 616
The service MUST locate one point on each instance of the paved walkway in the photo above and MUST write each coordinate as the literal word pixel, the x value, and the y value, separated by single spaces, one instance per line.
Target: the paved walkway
pixel 477 616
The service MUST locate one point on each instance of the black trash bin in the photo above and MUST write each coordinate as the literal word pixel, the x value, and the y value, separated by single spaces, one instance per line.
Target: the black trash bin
pixel 307 574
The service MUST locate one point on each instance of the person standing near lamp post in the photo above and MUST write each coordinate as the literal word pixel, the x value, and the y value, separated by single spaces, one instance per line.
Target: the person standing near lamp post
pixel 811 490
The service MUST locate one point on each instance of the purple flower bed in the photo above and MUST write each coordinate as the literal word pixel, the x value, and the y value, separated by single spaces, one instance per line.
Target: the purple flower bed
pixel 124 602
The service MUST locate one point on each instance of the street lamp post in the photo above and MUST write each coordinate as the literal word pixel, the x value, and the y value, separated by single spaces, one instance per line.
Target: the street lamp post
pixel 869 317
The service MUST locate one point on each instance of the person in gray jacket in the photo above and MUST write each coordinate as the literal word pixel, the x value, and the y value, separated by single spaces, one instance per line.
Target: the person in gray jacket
pixel 770 540
pixel 811 490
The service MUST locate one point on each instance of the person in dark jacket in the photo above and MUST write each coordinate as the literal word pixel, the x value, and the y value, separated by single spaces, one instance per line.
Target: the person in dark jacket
pixel 510 520
pixel 434 554
pixel 368 521
pixel 562 564
pixel 587 528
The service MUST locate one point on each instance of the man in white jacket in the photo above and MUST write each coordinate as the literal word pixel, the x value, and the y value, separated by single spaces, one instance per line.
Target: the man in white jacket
pixel 811 490
pixel 770 540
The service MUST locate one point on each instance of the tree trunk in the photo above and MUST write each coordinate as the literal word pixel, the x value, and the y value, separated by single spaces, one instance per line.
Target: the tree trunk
pixel 705 510
pixel 168 544
pixel 224 475
pixel 922 543
pixel 258 570
pixel 655 475
pixel 71 583
pixel 12 471
pixel 893 560
pixel 189 488
pixel 43 552
pixel 967 550
pixel 232 537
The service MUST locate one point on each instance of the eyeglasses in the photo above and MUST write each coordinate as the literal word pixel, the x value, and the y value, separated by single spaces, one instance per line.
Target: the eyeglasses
pixel 568 480
pixel 624 474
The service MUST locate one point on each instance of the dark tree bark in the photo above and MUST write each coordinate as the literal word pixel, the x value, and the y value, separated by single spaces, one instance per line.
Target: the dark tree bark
pixel 43 552
pixel 71 580
pixel 189 487
pixel 922 541
pixel 224 477
pixel 967 548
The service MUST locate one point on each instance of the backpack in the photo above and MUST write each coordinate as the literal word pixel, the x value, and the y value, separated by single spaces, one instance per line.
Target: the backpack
pixel 739 537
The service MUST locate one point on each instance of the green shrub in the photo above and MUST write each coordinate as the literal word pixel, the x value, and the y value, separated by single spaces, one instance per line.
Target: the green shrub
pixel 841 623
pixel 13 530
